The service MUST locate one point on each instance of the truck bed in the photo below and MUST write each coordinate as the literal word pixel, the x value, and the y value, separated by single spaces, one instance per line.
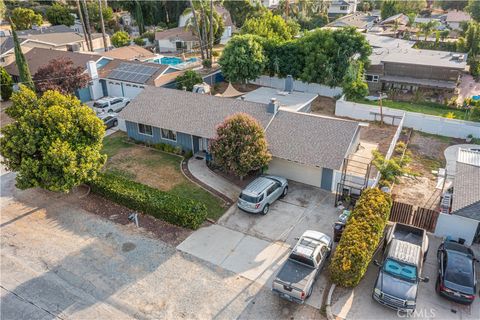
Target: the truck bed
pixel 295 274
pixel 408 234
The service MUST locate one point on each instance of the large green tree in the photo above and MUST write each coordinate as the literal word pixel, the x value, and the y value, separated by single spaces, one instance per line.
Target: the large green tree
pixel 120 39
pixel 240 146
pixel 188 80
pixel 22 65
pixel 94 14
pixel 59 14
pixel 389 8
pixel 25 18
pixel 271 26
pixel 451 4
pixel 54 143
pixel 6 84
pixel 354 85
pixel 243 59
pixel 474 9
pixel 241 10
pixel 328 54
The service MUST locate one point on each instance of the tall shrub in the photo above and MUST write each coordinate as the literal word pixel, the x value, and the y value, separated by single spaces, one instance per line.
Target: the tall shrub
pixel 360 238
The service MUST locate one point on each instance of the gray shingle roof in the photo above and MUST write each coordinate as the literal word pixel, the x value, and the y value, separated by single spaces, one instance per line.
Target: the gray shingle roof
pixel 304 138
pixel 466 190
pixel 310 139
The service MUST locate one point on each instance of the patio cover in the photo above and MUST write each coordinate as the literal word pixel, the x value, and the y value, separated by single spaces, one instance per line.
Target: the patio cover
pixel 230 92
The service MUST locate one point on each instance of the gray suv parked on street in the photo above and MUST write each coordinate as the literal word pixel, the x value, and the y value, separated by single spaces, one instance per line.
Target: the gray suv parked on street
pixel 261 193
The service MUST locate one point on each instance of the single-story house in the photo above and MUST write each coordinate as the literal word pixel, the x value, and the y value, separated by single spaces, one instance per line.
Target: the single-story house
pixel 121 78
pixel 178 39
pixel 361 21
pixel 131 52
pixel 455 18
pixel 306 148
pixel 463 221
pixel 342 7
pixel 227 22
pixel 55 37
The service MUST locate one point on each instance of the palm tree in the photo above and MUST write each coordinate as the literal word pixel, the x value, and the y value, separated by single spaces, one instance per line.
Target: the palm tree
pixel 87 24
pixel 80 16
pixel 428 27
pixel 102 25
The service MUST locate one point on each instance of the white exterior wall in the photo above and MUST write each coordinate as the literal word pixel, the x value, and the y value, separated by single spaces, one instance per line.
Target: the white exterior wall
pixel 456 227
pixel 166 45
pixel 279 83
pixel 130 90
pixel 422 122
pixel 295 171
pixel 454 25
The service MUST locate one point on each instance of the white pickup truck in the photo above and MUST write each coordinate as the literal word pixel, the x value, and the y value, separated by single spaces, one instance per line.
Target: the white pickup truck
pixel 296 277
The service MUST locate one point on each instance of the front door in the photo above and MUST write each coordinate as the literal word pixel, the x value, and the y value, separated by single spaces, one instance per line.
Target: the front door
pixel 202 144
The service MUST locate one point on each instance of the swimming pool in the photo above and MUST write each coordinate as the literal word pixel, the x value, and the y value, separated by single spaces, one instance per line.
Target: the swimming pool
pixel 476 98
pixel 173 61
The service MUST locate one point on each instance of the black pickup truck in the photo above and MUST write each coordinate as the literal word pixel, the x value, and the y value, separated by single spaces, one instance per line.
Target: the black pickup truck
pixel 405 249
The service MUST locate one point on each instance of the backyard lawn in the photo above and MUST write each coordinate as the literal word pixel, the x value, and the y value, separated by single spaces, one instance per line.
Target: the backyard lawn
pixel 421 107
pixel 156 169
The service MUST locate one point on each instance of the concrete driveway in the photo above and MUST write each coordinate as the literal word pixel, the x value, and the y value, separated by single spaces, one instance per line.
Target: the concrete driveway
pixel 61 262
pixel 255 246
pixel 358 303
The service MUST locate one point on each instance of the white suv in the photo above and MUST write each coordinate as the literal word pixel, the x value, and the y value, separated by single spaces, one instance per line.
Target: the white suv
pixel 110 104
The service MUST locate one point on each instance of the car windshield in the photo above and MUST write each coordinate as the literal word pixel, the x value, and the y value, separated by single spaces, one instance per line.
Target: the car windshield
pixel 459 269
pixel 100 104
pixel 400 270
pixel 250 198
pixel 302 259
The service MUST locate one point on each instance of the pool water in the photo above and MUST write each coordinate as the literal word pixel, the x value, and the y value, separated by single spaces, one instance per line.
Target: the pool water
pixel 476 98
pixel 172 61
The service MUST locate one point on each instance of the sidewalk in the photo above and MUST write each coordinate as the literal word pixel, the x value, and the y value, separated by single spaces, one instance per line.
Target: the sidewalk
pixel 199 169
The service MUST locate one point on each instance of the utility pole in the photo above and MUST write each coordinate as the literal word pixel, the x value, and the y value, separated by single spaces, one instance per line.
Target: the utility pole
pixel 80 16
pixel 381 107
pixel 87 24
pixel 102 24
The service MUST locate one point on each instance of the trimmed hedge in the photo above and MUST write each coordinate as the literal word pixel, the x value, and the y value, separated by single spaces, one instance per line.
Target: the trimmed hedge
pixel 361 236
pixel 162 205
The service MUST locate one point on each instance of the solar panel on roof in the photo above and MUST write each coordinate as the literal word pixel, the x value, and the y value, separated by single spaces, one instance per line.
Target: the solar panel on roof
pixel 133 72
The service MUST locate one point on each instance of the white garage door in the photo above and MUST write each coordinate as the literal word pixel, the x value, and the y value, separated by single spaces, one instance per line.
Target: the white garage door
pixel 114 89
pixel 132 90
pixel 295 171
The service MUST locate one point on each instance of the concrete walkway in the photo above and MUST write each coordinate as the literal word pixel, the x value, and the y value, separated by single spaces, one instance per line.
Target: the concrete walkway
pixel 198 168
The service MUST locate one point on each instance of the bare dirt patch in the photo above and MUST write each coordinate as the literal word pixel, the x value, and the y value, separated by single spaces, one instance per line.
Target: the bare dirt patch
pixel 381 135
pixel 427 155
pixel 324 106
pixel 98 205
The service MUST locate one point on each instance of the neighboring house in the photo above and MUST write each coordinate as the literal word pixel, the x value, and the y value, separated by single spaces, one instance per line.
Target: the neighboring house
pixel 131 52
pixel 456 18
pixel 397 66
pixel 227 21
pixel 359 20
pixel 176 40
pixel 121 78
pixel 463 220
pixel 55 37
pixel 342 7
pixel 39 57
pixel 306 148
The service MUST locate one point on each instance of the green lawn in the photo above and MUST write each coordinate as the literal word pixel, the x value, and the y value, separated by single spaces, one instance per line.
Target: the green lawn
pixel 432 108
pixel 156 169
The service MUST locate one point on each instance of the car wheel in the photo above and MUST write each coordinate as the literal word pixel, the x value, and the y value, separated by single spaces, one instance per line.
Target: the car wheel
pixel 110 110
pixel 266 209
pixel 285 191
pixel 115 123
pixel 310 291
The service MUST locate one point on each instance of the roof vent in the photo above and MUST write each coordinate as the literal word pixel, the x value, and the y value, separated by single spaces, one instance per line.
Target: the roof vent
pixel 272 106
pixel 289 84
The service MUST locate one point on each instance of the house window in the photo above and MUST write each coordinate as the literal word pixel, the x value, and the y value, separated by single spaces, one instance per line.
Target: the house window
pixel 371 78
pixel 343 8
pixel 145 129
pixel 169 135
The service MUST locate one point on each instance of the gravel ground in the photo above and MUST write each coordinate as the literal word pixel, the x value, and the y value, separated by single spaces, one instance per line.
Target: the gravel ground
pixel 59 261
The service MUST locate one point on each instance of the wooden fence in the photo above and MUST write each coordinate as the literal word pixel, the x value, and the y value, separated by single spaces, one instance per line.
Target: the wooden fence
pixel 420 217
